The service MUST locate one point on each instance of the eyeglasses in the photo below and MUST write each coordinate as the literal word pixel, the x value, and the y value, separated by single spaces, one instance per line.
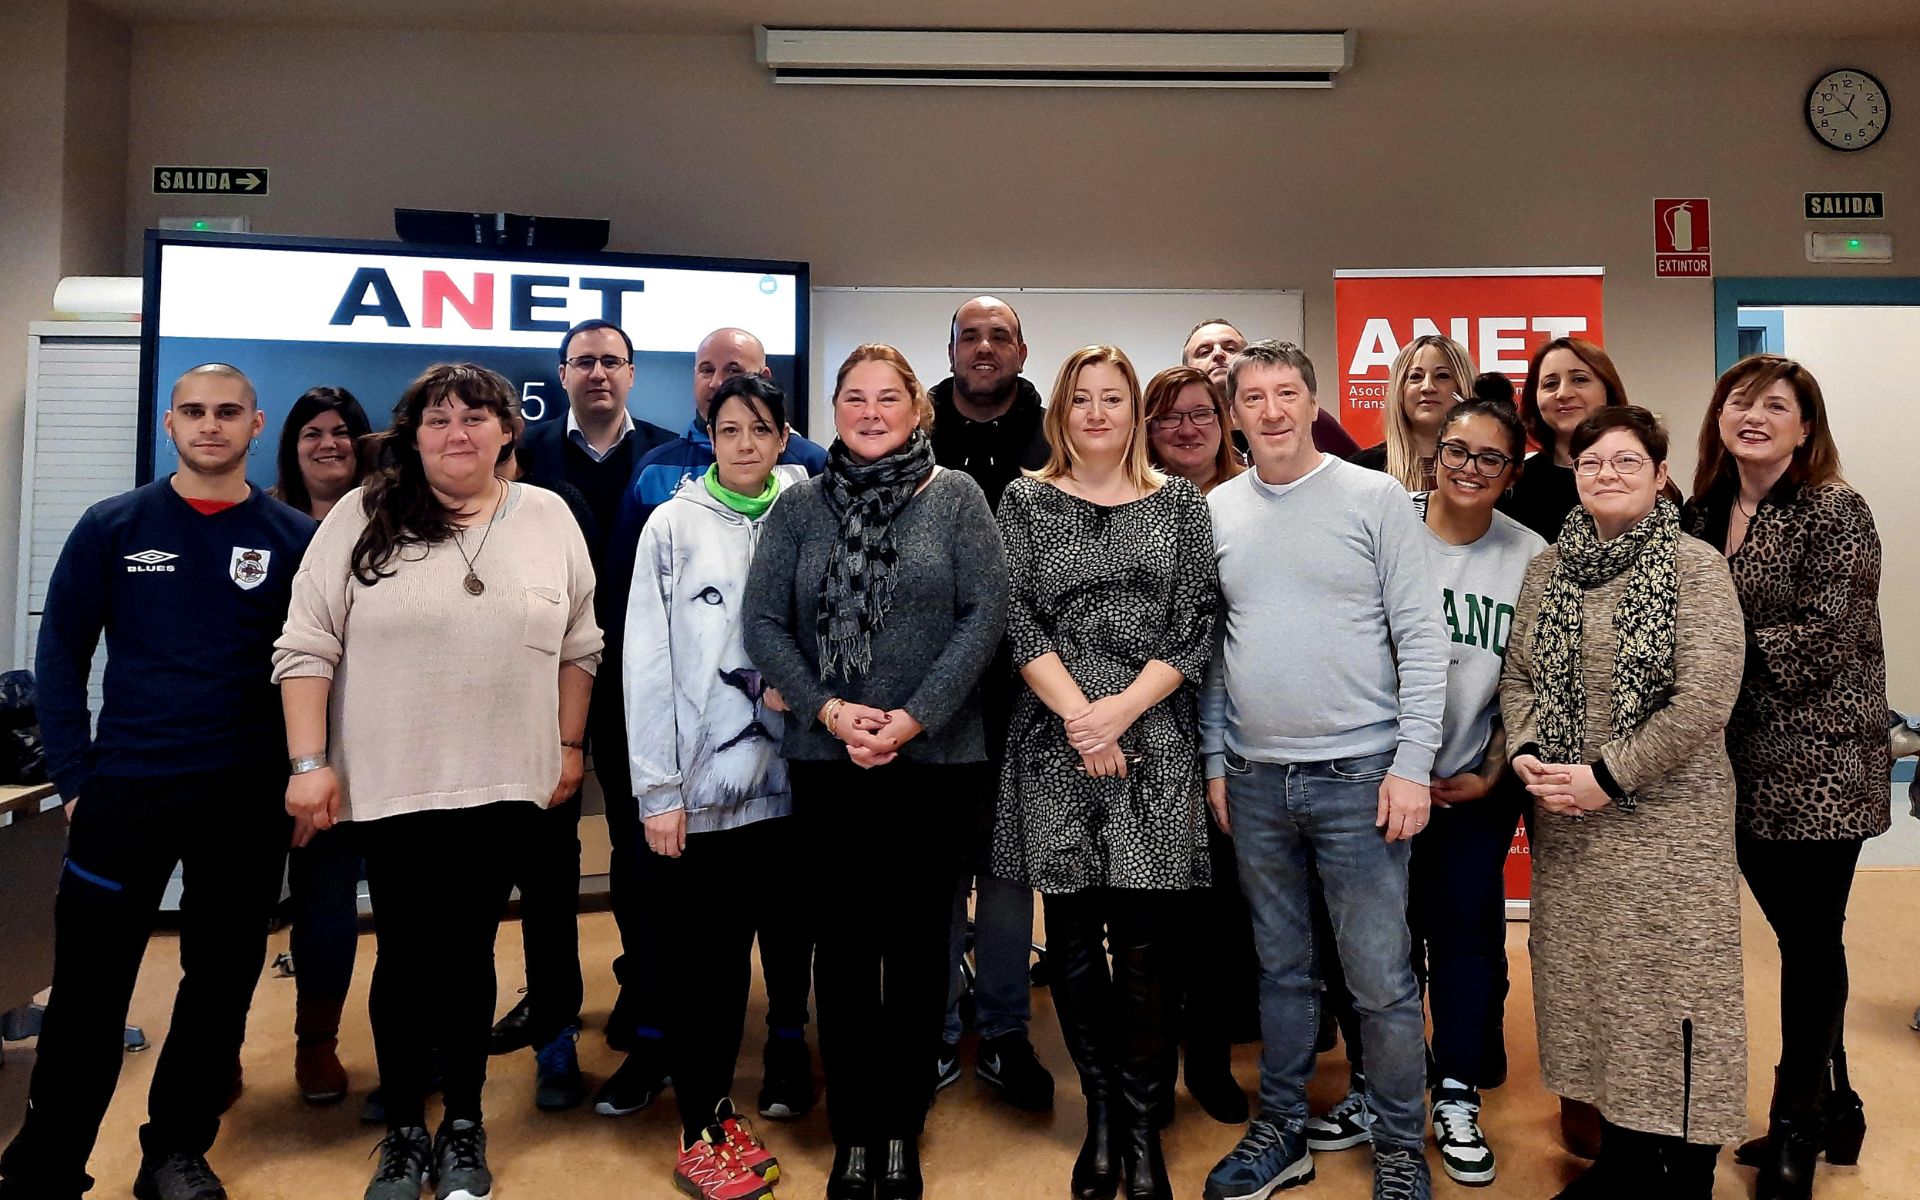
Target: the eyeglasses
pixel 1625 463
pixel 586 362
pixel 1202 418
pixel 1490 463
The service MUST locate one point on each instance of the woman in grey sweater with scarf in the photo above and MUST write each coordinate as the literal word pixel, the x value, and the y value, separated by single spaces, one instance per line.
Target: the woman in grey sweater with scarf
pixel 876 599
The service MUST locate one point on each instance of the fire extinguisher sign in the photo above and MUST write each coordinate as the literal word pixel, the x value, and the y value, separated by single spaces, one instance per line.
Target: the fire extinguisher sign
pixel 1682 244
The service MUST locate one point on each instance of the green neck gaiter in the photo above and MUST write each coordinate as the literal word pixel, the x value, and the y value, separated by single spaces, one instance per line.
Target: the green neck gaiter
pixel 747 506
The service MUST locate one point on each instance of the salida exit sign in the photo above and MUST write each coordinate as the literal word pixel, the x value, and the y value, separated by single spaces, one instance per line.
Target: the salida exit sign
pixel 209 181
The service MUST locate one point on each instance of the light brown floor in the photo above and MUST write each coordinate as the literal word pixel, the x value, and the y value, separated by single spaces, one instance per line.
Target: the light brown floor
pixel 273 1147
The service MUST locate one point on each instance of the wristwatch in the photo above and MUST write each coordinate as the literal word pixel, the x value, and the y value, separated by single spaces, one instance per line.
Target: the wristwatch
pixel 305 763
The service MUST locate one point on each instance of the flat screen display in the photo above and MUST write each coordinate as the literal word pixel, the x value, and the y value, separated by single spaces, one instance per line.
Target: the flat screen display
pixel 296 313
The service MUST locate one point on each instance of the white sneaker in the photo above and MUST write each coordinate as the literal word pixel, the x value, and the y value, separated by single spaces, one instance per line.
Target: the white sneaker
pixel 1464 1152
pixel 1345 1125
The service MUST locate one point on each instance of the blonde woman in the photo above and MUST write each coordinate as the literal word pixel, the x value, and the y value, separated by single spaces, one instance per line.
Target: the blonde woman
pixel 1102 804
pixel 1430 375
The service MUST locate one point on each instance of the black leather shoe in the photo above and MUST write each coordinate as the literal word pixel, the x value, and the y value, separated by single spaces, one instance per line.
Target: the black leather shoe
pixel 1096 1172
pixel 899 1171
pixel 1210 1080
pixel 513 1031
pixel 852 1175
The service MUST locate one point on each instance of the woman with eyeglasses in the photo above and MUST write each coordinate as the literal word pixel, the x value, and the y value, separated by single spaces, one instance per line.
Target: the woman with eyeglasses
pixel 1430 375
pixel 1621 671
pixel 876 599
pixel 1808 737
pixel 1102 803
pixel 1457 882
pixel 1187 427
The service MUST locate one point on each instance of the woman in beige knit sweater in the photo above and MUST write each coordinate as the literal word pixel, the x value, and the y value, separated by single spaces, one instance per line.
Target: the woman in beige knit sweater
pixel 435 670
pixel 1620 675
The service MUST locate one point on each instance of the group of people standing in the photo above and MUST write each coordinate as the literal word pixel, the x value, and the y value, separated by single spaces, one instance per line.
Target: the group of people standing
pixel 1255 711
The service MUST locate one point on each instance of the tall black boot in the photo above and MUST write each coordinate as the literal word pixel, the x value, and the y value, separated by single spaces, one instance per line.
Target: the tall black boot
pixel 1689 1169
pixel 1083 1001
pixel 1627 1163
pixel 1143 981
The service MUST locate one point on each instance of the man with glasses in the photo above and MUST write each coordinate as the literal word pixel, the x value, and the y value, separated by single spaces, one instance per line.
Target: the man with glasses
pixel 1212 344
pixel 987 424
pixel 1321 755
pixel 597 449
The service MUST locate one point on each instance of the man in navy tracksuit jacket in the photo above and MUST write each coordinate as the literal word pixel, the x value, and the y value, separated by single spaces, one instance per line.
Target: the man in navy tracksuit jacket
pixel 188 578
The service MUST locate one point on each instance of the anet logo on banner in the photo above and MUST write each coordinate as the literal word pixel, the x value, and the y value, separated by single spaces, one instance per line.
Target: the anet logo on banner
pixel 1500 314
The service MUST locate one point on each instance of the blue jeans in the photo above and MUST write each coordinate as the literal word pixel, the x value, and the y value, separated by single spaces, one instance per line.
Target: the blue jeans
pixel 1002 950
pixel 1289 819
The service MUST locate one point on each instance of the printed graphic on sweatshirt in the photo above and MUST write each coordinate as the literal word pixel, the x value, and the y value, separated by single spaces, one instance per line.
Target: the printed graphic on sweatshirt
pixel 249 567
pixel 1487 624
pixel 735 755
pixel 151 560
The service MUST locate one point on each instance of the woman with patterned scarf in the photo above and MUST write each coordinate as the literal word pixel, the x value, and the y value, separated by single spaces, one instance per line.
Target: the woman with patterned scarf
pixel 1622 669
pixel 876 599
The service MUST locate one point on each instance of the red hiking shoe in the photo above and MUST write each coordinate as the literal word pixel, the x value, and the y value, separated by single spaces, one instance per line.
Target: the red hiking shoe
pixel 707 1170
pixel 743 1144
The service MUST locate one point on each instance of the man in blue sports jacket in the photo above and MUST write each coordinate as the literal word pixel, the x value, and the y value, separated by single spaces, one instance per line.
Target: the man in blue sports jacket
pixel 188 578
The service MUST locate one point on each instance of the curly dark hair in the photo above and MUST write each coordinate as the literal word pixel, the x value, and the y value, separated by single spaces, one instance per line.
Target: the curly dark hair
pixel 400 505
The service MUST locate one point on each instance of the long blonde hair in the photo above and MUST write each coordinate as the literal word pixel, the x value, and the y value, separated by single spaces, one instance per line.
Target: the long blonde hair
pixel 1135 465
pixel 1403 457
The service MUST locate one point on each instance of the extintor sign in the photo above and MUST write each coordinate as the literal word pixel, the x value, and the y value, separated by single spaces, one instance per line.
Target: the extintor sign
pixel 1682 242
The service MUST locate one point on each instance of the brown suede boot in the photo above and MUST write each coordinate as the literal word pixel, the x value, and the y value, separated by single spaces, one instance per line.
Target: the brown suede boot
pixel 316 1054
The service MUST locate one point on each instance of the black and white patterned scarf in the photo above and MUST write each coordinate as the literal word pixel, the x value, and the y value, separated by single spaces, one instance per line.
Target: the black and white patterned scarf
pixel 866 496
pixel 1643 618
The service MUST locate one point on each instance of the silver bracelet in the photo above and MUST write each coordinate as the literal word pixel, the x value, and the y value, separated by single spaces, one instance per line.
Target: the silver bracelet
pixel 306 763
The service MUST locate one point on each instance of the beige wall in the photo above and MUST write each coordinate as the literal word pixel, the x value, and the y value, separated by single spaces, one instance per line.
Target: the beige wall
pixel 63 103
pixel 1426 154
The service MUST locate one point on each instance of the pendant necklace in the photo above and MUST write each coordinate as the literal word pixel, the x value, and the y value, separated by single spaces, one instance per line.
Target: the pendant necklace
pixel 472 582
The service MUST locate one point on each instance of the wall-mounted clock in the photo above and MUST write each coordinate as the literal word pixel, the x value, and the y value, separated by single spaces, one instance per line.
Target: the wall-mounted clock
pixel 1847 109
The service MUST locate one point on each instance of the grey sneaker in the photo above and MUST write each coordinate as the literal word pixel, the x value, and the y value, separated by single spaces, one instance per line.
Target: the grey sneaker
pixel 1401 1175
pixel 460 1162
pixel 403 1165
pixel 1346 1124
pixel 177 1177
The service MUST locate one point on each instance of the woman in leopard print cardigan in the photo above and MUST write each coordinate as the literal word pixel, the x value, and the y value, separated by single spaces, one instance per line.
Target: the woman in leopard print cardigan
pixel 1808 737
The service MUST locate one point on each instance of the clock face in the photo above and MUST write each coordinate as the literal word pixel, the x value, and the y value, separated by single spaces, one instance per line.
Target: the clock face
pixel 1847 109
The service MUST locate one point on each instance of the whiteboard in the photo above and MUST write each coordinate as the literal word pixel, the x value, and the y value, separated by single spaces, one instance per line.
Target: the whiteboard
pixel 1150 325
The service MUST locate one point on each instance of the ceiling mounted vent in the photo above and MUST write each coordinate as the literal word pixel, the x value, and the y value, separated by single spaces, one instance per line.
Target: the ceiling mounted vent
pixel 992 58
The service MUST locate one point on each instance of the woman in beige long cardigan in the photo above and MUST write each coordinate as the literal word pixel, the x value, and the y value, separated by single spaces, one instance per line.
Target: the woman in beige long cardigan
pixel 1621 673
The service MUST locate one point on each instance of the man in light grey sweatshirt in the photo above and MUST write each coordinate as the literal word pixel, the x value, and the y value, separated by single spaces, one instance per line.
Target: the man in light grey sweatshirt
pixel 1319 725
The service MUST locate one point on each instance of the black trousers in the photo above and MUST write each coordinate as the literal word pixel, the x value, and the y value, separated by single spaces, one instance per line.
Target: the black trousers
pixel 709 906
pixel 641 997
pixel 438 881
pixel 1802 887
pixel 1221 1000
pixel 323 891
pixel 1457 913
pixel 548 877
pixel 229 831
pixel 886 846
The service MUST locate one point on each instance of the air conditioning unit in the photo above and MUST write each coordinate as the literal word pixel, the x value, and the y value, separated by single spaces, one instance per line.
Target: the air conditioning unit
pixel 993 58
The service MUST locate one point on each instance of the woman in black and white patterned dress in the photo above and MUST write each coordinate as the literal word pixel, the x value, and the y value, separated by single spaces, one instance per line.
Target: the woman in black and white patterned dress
pixel 1101 797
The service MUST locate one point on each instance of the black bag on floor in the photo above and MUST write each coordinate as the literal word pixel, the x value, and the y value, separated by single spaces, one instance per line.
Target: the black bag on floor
pixel 22 758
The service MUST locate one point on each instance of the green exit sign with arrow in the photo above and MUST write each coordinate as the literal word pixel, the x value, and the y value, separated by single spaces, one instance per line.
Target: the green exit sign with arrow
pixel 209 181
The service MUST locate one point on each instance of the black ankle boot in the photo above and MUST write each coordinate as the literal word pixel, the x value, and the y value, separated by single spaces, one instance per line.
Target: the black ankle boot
pixel 1689 1169
pixel 1793 1146
pixel 852 1176
pixel 1096 1172
pixel 1844 1117
pixel 1210 1079
pixel 1627 1164
pixel 899 1171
